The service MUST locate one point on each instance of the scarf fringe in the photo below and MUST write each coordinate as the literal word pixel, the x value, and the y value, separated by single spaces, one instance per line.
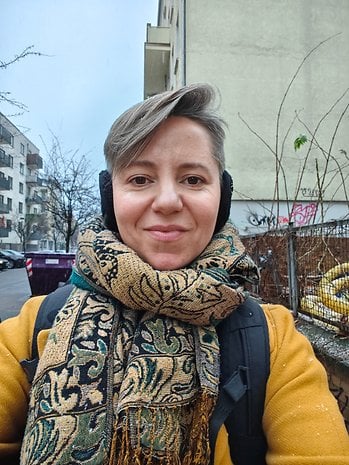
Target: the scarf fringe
pixel 197 451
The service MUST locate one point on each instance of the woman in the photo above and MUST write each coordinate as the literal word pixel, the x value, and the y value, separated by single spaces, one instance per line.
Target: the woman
pixel 130 371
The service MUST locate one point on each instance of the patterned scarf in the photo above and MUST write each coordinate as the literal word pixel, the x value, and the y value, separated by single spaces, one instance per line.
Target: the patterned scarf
pixel 130 371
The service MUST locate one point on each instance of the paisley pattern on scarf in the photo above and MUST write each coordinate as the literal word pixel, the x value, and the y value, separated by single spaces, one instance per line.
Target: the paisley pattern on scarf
pixel 130 370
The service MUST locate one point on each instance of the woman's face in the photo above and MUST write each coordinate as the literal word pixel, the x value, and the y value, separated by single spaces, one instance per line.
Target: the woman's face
pixel 166 201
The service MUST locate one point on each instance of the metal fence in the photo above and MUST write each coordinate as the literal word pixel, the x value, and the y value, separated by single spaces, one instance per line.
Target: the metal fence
pixel 306 269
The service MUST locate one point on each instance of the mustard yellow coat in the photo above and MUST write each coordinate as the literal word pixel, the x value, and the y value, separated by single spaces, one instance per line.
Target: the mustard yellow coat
pixel 301 420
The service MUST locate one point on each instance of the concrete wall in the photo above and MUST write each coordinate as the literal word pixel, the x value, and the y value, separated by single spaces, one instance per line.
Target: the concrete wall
pixel 251 217
pixel 250 51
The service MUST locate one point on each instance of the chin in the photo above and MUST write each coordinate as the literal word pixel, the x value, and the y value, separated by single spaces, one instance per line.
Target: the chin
pixel 168 263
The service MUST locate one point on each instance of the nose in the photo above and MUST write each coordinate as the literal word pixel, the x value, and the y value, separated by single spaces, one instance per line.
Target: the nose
pixel 167 198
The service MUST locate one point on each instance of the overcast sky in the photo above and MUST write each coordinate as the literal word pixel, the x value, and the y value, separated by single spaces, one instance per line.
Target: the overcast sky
pixel 93 71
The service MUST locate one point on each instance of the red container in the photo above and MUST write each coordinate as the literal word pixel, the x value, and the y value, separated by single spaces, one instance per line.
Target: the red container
pixel 46 271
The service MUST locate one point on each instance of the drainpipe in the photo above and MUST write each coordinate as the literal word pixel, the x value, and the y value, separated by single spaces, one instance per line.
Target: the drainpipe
pixel 184 42
pixel 292 270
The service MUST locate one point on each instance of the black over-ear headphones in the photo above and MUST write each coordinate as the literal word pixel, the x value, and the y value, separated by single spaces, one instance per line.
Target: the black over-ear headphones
pixel 106 190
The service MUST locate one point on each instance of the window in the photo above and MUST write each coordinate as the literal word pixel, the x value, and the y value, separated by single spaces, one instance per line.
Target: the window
pixel 20 207
pixel 10 181
pixel 35 211
pixel 21 168
pixel 2 199
pixel 10 159
pixel 9 203
pixel 5 136
pixel 8 224
pixel 22 148
pixel 21 188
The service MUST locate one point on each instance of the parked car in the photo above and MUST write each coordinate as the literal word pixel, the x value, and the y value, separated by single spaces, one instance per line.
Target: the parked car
pixel 15 259
pixel 16 253
pixel 4 264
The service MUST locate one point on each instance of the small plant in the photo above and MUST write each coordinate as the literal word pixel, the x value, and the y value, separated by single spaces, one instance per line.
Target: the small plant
pixel 300 141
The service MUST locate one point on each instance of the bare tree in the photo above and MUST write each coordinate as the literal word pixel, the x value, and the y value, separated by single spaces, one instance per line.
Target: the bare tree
pixel 6 96
pixel 72 195
pixel 30 227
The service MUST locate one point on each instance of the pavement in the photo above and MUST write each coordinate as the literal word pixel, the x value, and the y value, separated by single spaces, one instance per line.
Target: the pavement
pixel 14 291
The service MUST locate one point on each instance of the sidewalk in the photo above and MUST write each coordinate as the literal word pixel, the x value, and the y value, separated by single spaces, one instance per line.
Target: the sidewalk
pixel 14 291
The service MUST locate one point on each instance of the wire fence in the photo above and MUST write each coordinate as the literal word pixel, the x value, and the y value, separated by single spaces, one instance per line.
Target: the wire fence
pixel 306 269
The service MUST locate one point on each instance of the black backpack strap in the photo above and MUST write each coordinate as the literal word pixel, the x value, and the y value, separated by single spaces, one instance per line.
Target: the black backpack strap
pixel 245 366
pixel 48 310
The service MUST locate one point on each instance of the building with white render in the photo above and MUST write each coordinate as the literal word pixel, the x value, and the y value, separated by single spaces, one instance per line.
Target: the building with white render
pixel 281 68
pixel 22 189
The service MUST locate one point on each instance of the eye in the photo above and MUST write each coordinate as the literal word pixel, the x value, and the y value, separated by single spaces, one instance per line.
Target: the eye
pixel 193 180
pixel 139 180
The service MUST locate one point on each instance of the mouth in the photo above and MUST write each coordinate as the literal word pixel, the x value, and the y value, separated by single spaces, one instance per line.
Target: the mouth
pixel 166 233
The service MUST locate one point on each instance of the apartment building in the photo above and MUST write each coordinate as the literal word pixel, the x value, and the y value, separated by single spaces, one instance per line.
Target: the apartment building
pixel 22 189
pixel 281 68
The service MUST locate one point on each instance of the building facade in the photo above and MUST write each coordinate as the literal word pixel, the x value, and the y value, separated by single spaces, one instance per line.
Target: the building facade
pixel 23 220
pixel 281 69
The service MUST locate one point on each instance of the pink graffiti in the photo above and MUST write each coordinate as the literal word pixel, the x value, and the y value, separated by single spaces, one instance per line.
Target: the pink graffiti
pixel 283 220
pixel 302 214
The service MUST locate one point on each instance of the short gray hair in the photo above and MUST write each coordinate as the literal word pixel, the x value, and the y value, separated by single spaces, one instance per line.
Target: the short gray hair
pixel 131 132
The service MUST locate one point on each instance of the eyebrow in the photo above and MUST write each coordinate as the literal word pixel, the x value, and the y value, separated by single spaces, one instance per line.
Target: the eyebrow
pixel 186 165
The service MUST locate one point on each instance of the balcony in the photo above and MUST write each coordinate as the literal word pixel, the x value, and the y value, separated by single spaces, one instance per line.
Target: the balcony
pixel 34 161
pixel 5 136
pixel 5 184
pixel 4 208
pixel 34 199
pixel 34 180
pixel 156 60
pixel 5 160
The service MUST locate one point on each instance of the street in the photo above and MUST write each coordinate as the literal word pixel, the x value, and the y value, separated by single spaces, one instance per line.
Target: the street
pixel 14 291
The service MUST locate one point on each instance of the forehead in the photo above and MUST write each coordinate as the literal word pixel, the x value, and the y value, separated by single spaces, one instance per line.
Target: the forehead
pixel 176 134
pixel 179 135
pixel 183 126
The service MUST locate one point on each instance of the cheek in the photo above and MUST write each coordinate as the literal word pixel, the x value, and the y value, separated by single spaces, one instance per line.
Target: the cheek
pixel 212 220
pixel 206 217
pixel 128 212
pixel 120 212
pixel 211 207
pixel 121 203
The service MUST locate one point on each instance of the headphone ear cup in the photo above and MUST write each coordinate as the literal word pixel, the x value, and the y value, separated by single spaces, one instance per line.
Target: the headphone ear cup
pixel 106 192
pixel 227 188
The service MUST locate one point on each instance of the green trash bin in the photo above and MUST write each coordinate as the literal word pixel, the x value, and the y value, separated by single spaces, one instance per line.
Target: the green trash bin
pixel 46 271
